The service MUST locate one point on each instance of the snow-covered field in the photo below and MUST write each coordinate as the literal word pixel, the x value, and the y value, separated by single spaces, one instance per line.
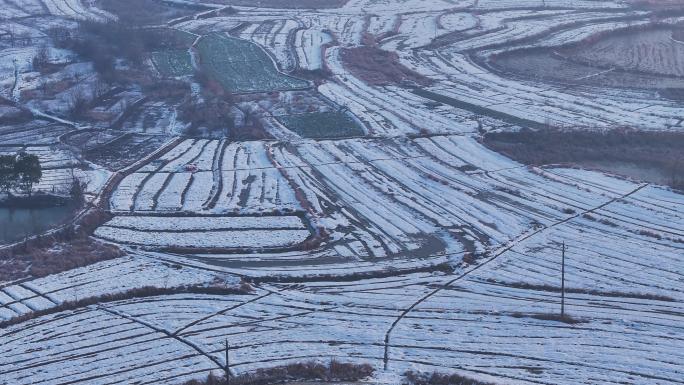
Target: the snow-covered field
pixel 412 248
pixel 205 232
pixel 209 176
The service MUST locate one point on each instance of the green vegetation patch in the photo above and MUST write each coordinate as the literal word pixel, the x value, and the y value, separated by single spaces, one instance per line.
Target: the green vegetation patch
pixel 173 63
pixel 242 67
pixel 322 125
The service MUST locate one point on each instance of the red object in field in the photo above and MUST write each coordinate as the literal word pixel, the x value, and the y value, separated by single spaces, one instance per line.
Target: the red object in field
pixel 191 167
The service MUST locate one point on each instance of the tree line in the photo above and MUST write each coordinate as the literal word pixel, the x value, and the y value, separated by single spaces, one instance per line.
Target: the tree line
pixel 19 172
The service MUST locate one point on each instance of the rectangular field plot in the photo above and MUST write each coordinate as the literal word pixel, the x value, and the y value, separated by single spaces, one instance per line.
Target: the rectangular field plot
pixel 173 62
pixel 221 232
pixel 180 224
pixel 321 125
pixel 242 66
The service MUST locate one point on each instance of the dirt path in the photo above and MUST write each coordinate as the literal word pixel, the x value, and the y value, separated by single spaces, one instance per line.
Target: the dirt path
pixel 218 364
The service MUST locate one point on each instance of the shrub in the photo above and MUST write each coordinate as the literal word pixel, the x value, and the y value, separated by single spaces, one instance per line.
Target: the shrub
pixel 469 258
pixel 557 317
pixel 303 371
pixel 436 378
pixel 650 234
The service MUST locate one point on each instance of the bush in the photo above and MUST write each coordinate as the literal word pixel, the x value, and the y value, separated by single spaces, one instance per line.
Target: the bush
pixel 304 371
pixel 436 378
pixel 79 104
pixel 469 258
pixel 557 317
pixel 41 62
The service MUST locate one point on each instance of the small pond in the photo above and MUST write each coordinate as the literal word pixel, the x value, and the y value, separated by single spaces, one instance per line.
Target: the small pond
pixel 17 223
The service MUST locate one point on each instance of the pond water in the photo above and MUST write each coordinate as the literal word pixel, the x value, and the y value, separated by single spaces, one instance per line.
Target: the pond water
pixel 16 223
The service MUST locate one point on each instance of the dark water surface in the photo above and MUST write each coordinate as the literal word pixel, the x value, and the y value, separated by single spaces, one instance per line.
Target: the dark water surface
pixel 16 223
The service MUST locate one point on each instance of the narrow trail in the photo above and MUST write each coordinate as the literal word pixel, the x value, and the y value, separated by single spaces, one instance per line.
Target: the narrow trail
pixel 37 293
pixel 219 364
pixel 497 254
pixel 200 320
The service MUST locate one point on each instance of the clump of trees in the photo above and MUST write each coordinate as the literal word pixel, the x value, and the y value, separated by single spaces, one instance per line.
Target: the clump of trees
pixel 19 172
pixel 103 43
pixel 41 61
pixel 216 112
pixel 213 111
pixel 147 12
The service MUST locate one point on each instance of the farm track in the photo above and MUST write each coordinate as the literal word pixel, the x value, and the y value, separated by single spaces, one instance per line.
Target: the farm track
pixel 218 364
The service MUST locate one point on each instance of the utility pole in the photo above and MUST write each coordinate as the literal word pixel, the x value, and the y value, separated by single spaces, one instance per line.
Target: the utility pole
pixel 563 282
pixel 227 368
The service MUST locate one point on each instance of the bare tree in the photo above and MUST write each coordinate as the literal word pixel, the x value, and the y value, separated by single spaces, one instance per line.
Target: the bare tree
pixel 41 60
pixel 78 105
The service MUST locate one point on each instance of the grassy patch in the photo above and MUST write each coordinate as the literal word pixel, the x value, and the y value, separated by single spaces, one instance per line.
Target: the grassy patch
pixel 322 125
pixel 173 63
pixel 243 67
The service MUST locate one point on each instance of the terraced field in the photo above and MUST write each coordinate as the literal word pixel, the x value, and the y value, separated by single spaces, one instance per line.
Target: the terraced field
pixel 377 227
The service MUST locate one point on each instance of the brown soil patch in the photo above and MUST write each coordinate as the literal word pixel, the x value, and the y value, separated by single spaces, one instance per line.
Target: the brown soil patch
pixel 378 67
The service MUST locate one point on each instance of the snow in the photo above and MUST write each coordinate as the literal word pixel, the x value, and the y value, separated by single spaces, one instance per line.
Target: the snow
pixel 359 226
pixel 310 48
pixel 153 223
pixel 235 239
